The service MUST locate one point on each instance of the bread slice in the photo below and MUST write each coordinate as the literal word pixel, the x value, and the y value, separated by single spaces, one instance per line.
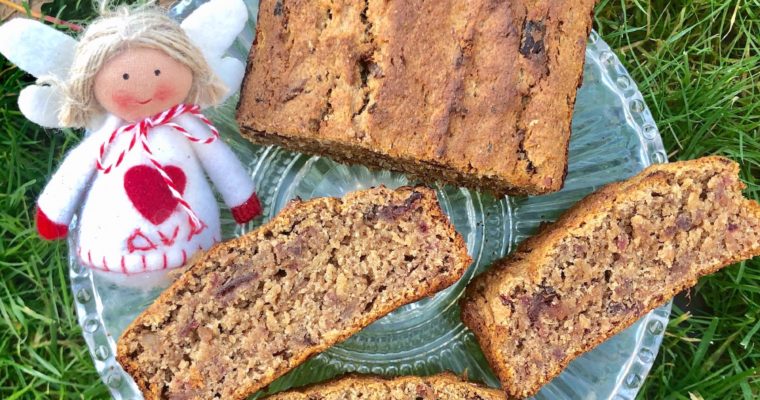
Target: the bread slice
pixel 476 93
pixel 613 257
pixel 257 306
pixel 446 386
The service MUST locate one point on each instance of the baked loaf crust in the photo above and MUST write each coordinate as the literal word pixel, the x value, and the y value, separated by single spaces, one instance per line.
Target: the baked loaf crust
pixel 613 257
pixel 255 307
pixel 446 386
pixel 474 93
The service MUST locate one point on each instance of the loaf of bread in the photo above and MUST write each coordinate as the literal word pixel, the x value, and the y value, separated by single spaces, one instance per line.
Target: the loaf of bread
pixel 474 93
pixel 257 306
pixel 444 386
pixel 613 257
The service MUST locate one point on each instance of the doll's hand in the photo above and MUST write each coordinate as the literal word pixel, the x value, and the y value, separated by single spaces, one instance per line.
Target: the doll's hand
pixel 48 229
pixel 248 210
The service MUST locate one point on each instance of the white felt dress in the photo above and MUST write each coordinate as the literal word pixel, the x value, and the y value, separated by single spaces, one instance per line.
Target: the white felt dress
pixel 129 223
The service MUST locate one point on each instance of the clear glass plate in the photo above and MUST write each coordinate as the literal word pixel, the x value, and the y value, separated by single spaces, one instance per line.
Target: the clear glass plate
pixel 614 137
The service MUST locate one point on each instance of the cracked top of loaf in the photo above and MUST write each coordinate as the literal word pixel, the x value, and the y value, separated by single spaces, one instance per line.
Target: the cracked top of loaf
pixel 477 93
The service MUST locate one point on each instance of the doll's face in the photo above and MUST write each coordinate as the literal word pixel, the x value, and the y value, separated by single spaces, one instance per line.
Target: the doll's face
pixel 140 82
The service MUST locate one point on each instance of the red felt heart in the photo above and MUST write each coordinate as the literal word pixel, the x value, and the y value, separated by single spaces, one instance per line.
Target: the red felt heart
pixel 149 193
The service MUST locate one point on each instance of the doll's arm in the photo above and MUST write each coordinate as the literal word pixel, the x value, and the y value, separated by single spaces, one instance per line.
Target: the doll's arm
pixel 63 193
pixel 228 174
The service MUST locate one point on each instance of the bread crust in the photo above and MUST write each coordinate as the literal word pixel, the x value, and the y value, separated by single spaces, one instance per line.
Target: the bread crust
pixel 478 303
pixel 478 93
pixel 155 312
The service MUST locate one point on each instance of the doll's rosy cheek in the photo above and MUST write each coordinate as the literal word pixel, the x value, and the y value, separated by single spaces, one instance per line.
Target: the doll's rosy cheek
pixel 164 92
pixel 123 100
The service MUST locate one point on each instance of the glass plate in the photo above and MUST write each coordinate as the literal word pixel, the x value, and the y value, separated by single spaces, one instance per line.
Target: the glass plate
pixel 613 138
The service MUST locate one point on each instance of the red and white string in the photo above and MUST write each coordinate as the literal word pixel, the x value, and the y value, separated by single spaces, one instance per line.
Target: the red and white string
pixel 139 131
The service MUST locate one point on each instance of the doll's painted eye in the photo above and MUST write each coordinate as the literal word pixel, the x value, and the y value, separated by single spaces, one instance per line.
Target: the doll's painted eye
pixel 157 72
pixel 125 77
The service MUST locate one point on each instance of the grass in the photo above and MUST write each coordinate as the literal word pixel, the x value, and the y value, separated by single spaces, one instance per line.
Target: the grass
pixel 697 64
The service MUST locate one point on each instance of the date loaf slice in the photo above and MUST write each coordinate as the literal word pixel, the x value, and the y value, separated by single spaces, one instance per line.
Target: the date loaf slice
pixel 474 93
pixel 257 306
pixel 444 386
pixel 614 256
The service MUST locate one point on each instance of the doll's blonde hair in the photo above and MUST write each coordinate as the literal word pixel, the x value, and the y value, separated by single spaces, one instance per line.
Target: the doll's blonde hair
pixel 146 26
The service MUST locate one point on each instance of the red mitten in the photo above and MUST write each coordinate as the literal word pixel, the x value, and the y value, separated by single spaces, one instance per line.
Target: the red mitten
pixel 48 229
pixel 248 210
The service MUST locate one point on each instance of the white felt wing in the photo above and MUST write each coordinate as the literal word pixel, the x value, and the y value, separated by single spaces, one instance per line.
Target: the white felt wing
pixel 39 50
pixel 40 104
pixel 213 27
pixel 231 71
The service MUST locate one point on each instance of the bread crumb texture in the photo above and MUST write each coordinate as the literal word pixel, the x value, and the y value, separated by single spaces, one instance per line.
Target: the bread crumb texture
pixel 609 260
pixel 257 306
pixel 445 386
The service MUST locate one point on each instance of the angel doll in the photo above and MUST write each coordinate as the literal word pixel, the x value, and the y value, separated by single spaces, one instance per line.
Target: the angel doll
pixel 137 80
